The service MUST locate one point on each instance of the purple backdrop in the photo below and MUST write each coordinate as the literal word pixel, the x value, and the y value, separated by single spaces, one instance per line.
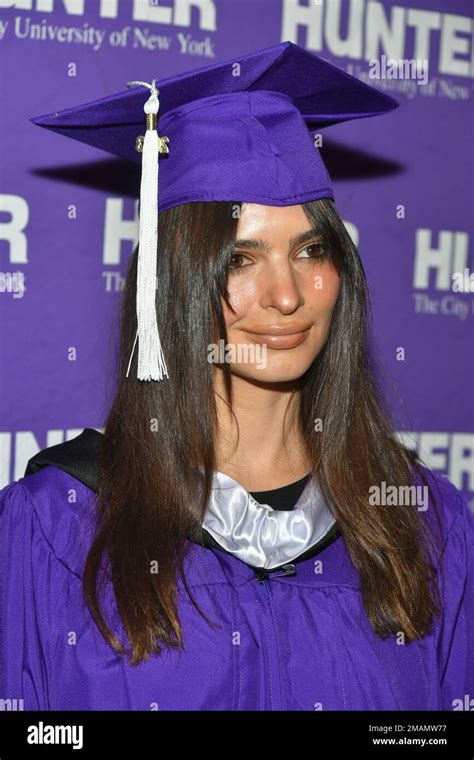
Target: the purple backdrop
pixel 68 213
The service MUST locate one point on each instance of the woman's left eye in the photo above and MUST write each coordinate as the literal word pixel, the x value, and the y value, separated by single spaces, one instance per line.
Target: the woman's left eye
pixel 320 251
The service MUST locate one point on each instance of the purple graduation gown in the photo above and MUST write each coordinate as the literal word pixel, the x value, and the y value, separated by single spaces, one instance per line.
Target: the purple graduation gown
pixel 301 642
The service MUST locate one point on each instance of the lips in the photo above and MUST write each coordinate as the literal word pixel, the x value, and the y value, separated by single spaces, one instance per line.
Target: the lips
pixel 287 329
pixel 286 338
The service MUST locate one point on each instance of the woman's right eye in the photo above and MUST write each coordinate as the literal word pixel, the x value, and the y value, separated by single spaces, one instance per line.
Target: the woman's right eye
pixel 233 264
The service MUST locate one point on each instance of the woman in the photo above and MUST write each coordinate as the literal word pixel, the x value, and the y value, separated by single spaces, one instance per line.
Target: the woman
pixel 241 553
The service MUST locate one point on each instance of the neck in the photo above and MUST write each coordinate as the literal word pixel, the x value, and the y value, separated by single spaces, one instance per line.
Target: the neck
pixel 260 448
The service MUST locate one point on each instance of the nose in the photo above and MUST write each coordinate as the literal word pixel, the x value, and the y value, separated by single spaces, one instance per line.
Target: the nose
pixel 280 287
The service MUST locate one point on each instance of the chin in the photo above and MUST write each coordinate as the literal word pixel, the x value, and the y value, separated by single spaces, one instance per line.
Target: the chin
pixel 281 371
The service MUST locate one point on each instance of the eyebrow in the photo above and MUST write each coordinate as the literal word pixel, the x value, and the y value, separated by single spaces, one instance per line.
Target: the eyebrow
pixel 262 245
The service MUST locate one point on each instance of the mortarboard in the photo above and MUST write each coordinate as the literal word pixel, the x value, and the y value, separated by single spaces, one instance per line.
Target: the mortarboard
pixel 241 130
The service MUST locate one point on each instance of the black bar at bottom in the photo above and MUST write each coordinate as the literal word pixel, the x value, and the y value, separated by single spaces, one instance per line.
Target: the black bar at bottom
pixel 61 734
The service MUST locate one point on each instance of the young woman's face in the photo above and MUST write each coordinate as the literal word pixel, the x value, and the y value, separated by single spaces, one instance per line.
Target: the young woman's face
pixel 283 290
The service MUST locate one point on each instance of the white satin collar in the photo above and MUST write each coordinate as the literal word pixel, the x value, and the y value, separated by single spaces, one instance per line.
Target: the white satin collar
pixel 258 534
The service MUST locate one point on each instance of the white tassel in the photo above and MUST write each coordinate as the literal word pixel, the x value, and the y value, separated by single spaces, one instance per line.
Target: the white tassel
pixel 151 361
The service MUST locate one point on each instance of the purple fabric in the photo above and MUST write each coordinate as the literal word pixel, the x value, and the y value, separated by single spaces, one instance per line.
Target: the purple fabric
pixel 288 643
pixel 245 137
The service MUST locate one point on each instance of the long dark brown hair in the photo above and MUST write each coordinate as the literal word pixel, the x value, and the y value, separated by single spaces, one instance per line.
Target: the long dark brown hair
pixel 158 452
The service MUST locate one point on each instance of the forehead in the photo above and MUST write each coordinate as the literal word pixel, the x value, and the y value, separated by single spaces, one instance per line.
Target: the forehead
pixel 271 220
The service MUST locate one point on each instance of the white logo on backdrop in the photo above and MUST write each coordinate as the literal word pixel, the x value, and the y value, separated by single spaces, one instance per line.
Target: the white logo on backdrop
pixel 451 454
pixel 50 30
pixel 371 30
pixel 441 264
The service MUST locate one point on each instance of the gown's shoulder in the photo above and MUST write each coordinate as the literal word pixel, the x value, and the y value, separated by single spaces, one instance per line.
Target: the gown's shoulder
pixel 52 508
pixel 55 499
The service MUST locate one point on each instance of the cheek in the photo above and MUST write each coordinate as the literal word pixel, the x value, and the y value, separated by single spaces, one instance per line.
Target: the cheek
pixel 321 291
pixel 241 298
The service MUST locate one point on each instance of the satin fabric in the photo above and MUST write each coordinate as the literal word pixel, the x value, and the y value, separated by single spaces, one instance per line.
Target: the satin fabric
pixel 299 642
pixel 256 533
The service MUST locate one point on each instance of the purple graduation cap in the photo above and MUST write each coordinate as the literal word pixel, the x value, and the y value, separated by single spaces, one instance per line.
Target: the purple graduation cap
pixel 241 130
